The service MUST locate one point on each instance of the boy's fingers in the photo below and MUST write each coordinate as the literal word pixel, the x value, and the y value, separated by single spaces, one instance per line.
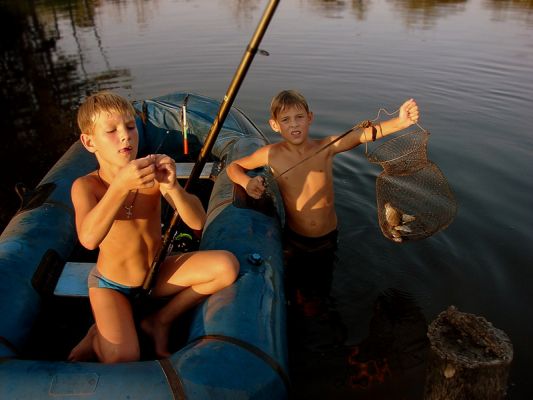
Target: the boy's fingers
pixel 145 161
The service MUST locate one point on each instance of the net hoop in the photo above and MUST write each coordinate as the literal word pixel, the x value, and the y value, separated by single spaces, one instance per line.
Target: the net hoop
pixel 402 154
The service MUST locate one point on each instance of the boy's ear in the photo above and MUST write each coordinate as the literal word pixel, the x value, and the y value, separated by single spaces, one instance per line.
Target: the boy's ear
pixel 88 142
pixel 274 125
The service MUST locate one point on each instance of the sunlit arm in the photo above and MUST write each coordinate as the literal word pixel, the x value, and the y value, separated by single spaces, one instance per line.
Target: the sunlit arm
pixel 94 218
pixel 408 115
pixel 187 205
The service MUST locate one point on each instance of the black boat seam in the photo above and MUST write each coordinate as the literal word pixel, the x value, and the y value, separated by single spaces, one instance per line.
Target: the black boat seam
pixel 252 349
pixel 173 379
pixel 9 345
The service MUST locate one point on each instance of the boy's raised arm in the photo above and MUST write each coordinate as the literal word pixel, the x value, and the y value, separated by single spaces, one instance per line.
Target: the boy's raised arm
pixel 408 115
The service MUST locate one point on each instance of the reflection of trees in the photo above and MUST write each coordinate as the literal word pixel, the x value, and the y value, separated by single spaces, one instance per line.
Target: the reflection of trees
pixel 41 87
pixel 425 12
pixel 335 8
pixel 245 10
pixel 520 9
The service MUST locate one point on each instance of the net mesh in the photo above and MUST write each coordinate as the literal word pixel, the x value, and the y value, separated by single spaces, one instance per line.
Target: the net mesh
pixel 414 200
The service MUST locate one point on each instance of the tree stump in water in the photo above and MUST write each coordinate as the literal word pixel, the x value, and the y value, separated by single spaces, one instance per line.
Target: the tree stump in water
pixel 469 358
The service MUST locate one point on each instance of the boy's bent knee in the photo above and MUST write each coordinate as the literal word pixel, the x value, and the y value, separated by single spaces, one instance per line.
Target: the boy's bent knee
pixel 228 267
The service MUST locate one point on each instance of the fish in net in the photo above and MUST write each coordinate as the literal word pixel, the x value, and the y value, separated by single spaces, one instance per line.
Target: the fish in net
pixel 414 200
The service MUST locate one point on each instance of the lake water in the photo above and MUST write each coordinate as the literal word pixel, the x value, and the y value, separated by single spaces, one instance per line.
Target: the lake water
pixel 468 64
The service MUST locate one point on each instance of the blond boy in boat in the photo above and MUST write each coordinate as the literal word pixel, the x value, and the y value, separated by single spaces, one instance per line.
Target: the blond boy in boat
pixel 118 210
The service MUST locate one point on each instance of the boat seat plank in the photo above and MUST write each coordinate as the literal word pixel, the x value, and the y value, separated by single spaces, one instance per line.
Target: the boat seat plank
pixel 183 170
pixel 73 280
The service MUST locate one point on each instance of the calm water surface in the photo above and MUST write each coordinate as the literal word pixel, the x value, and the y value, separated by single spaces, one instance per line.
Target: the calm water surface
pixel 467 63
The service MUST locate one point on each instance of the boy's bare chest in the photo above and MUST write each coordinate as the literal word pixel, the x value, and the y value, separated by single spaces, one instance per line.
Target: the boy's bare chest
pixel 301 167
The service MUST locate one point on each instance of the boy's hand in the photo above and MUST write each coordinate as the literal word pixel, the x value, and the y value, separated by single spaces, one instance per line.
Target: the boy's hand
pixel 165 171
pixel 256 187
pixel 138 174
pixel 409 113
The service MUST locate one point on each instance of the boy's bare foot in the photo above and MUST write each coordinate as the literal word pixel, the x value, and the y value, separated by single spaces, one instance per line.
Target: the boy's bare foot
pixel 84 350
pixel 158 333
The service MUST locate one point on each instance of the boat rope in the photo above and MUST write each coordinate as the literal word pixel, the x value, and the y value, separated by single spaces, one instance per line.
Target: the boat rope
pixel 173 379
pixel 251 349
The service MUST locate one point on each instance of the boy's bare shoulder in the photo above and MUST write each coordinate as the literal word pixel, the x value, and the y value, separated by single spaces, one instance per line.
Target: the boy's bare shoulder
pixel 86 183
pixel 90 179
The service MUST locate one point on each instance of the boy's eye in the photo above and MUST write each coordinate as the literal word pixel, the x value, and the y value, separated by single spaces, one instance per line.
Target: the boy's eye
pixel 111 130
pixel 131 127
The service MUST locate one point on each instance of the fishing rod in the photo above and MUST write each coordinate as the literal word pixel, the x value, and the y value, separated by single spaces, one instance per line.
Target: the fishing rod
pixel 223 111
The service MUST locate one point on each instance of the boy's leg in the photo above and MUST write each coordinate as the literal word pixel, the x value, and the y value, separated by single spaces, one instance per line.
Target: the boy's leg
pixel 190 277
pixel 113 338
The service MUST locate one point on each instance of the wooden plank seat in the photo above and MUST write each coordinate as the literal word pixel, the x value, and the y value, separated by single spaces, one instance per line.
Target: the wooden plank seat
pixel 183 170
pixel 73 280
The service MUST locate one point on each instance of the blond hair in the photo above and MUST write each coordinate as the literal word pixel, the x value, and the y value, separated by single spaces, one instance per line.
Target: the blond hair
pixel 285 99
pixel 101 102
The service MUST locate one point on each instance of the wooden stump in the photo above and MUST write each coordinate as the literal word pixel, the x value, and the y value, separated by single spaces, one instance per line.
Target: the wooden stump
pixel 469 358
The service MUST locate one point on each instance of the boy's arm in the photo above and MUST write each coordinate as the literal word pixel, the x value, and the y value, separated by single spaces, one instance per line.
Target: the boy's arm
pixel 237 172
pixel 93 218
pixel 188 206
pixel 408 116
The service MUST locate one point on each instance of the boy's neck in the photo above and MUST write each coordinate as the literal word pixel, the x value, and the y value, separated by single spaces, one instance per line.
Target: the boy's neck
pixel 107 172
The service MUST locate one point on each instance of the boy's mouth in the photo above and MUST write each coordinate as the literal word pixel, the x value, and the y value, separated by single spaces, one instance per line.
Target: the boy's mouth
pixel 126 150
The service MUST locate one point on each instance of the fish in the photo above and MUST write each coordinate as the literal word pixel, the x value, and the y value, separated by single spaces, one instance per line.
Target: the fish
pixel 397 222
pixel 392 215
pixel 406 218
pixel 396 236
pixel 403 228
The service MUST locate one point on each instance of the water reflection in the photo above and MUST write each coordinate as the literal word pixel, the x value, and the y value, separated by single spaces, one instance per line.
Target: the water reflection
pixel 390 360
pixel 517 9
pixel 41 87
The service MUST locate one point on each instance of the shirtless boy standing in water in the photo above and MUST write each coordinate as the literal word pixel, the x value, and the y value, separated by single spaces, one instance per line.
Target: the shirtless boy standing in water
pixel 118 209
pixel 306 183
pixel 307 189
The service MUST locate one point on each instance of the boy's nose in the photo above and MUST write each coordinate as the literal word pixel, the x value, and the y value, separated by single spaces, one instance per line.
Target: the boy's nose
pixel 124 135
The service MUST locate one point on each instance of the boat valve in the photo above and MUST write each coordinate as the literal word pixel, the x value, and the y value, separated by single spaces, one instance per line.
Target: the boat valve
pixel 255 259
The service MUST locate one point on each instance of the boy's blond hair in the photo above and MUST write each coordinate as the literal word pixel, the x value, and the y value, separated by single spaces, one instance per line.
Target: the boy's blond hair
pixel 287 98
pixel 101 102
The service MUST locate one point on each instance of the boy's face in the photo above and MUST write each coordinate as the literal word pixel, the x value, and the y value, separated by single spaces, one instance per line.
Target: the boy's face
pixel 293 124
pixel 114 139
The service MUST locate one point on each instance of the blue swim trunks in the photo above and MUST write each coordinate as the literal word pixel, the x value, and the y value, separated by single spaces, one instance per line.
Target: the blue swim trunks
pixel 97 280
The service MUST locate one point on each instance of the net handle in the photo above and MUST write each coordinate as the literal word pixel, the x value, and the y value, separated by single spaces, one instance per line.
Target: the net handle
pixel 379 124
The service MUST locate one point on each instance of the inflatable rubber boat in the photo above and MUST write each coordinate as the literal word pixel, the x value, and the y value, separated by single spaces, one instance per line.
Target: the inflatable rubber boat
pixel 234 345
